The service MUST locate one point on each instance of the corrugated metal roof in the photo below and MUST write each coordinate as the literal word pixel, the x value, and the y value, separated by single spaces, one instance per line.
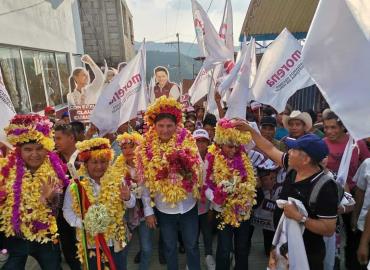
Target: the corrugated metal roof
pixel 265 19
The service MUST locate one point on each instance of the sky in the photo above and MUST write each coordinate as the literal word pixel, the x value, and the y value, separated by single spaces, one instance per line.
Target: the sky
pixel 160 20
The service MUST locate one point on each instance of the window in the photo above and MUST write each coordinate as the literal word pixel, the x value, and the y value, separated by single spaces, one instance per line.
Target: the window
pixel 63 74
pixel 49 68
pixel 13 76
pixel 35 80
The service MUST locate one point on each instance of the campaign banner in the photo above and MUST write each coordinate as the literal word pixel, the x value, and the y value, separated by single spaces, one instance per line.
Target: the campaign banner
pixel 280 73
pixel 124 97
pixel 80 113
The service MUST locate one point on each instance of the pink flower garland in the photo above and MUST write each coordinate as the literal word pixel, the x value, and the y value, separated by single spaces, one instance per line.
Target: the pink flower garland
pixel 235 164
pixel 59 168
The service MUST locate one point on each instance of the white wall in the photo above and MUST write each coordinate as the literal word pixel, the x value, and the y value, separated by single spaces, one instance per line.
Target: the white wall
pixel 50 25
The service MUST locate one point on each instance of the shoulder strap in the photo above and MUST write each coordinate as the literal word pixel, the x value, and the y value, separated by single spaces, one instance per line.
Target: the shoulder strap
pixel 324 178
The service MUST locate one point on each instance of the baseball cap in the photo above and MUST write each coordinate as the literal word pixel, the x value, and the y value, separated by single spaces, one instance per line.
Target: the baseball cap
pixel 200 133
pixel 49 109
pixel 65 114
pixel 311 144
pixel 268 121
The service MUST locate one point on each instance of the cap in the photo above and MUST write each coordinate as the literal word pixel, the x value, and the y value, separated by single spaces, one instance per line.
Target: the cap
pixel 268 121
pixel 49 109
pixel 311 144
pixel 201 133
pixel 65 114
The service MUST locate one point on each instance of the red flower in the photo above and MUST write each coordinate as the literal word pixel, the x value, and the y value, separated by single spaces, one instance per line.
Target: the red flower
pixel 219 196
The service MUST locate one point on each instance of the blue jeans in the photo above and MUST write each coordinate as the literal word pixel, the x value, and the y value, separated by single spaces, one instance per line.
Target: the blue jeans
pixel 206 227
pixel 47 255
pixel 225 246
pixel 146 246
pixel 188 224
pixel 119 258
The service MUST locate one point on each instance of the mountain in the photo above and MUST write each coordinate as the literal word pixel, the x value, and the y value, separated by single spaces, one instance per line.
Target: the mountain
pixel 186 48
pixel 169 60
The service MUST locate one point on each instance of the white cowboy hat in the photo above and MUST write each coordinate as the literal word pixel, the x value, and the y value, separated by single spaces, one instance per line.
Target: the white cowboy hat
pixel 298 115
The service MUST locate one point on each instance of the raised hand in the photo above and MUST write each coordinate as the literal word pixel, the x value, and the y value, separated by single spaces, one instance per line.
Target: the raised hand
pixel 49 190
pixel 125 192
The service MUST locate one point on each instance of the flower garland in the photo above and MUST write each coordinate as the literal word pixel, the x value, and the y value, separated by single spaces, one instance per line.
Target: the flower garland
pixel 122 168
pixel 227 134
pixel 133 137
pixel 233 184
pixel 109 196
pixel 94 148
pixel 27 128
pixel 171 169
pixel 163 105
pixel 22 212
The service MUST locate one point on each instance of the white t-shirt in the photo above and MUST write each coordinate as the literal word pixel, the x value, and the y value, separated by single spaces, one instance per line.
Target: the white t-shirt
pixel 362 179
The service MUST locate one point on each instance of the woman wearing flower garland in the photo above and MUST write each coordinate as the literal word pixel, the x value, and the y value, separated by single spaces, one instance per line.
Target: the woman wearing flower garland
pixel 168 163
pixel 32 178
pixel 95 205
pixel 142 215
pixel 230 186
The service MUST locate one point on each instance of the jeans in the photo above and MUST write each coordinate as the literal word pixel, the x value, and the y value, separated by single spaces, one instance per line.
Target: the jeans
pixel 47 255
pixel 146 247
pixel 205 226
pixel 119 258
pixel 225 245
pixel 189 226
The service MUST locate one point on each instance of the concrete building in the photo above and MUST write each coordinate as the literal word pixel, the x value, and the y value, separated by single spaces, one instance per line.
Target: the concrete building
pixel 40 43
pixel 107 29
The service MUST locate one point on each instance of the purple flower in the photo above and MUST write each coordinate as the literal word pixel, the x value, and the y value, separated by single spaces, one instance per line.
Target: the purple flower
pixel 38 226
pixel 58 167
pixel 17 189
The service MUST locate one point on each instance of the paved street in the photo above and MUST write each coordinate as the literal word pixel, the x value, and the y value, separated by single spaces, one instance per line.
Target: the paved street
pixel 257 260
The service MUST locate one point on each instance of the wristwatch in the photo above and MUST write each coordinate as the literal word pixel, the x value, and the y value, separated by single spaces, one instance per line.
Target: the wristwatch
pixel 303 219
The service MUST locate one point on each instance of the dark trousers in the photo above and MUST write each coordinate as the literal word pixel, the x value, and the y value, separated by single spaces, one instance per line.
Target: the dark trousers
pixel 188 225
pixel 67 235
pixel 350 247
pixel 268 236
pixel 47 255
pixel 206 227
pixel 225 246
pixel 357 265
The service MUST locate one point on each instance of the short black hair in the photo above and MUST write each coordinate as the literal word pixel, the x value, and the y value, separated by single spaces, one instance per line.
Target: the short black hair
pixel 157 69
pixel 65 129
pixel 210 120
pixel 162 116
pixel 332 116
pixel 79 130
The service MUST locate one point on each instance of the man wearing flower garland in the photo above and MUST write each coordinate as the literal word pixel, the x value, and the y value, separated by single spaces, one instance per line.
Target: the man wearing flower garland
pixel 142 215
pixel 168 162
pixel 230 186
pixel 96 205
pixel 33 177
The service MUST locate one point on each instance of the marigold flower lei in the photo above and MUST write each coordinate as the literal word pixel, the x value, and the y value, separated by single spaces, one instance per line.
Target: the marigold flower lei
pixel 94 148
pixel 233 184
pixel 170 169
pixel 163 105
pixel 109 196
pixel 22 212
pixel 126 137
pixel 226 134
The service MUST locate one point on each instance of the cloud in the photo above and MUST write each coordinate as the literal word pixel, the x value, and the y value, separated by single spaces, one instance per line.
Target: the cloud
pixel 160 20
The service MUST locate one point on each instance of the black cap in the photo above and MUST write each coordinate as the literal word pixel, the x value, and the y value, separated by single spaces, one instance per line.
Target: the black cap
pixel 268 120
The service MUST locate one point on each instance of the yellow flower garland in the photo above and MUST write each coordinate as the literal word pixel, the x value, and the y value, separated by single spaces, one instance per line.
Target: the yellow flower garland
pixel 31 208
pixel 109 196
pixel 171 193
pixel 244 191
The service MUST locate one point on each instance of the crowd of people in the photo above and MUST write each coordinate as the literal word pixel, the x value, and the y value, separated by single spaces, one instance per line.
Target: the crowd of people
pixel 66 190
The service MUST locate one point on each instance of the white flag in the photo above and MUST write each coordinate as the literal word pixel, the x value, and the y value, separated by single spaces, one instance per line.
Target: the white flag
pixel 200 87
pixel 280 73
pixel 226 30
pixel 123 97
pixel 337 56
pixel 210 43
pixel 151 90
pixel 239 97
pixel 7 110
pixel 229 80
pixel 361 12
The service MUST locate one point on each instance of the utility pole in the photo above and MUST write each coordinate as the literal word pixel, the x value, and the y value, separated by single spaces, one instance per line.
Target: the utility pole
pixel 178 55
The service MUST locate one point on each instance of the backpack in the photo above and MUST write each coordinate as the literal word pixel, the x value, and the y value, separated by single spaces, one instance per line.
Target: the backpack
pixel 324 178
